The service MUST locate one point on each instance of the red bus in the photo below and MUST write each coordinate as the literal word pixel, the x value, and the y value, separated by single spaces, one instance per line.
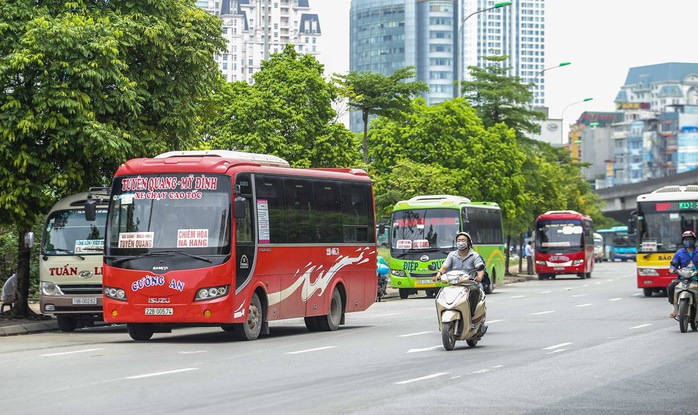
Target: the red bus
pixel 235 240
pixel 563 244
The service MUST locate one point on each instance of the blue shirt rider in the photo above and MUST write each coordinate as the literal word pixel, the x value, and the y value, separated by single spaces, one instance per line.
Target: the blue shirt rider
pixel 684 257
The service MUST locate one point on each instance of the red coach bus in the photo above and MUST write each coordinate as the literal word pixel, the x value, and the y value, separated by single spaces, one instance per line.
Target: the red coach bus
pixel 235 240
pixel 564 244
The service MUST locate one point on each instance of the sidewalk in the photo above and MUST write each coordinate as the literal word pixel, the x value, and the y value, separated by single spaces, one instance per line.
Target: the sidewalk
pixel 17 326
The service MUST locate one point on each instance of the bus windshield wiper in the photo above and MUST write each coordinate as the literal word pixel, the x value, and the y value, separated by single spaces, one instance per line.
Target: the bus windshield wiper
pixel 161 253
pixel 68 251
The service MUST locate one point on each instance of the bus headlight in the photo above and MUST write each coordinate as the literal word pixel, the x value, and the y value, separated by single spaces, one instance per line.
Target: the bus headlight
pixel 578 262
pixel 115 293
pixel 398 272
pixel 647 272
pixel 210 293
pixel 50 289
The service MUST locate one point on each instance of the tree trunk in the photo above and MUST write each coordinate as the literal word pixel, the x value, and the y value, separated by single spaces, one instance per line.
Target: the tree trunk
pixel 22 306
pixel 364 144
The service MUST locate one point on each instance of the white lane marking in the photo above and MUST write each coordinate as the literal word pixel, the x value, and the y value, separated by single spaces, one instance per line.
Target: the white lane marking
pixel 73 352
pixel 193 352
pixel 414 334
pixel 584 305
pixel 578 295
pixel 637 294
pixel 312 350
pixel 386 314
pixel 169 372
pixel 556 346
pixel 557 351
pixel 542 312
pixel 615 299
pixel 546 292
pixel 435 375
pixel 480 371
pixel 640 326
pixel 426 349
pixel 518 296
pixel 493 321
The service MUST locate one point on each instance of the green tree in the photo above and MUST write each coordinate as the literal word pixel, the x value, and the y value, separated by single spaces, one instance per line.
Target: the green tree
pixel 85 86
pixel 287 112
pixel 377 94
pixel 449 143
pixel 500 98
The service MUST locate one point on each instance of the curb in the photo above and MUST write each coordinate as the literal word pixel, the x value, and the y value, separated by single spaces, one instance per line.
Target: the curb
pixel 28 328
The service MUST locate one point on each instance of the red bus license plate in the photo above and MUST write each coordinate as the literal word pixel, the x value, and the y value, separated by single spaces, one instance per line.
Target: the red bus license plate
pixel 158 311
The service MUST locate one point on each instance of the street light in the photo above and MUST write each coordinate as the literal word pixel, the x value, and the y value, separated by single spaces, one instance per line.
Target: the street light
pixel 460 37
pixel 539 73
pixel 562 117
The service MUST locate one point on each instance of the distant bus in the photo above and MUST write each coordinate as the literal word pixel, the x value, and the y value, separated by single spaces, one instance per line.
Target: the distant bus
pixel 618 244
pixel 70 265
pixel 423 232
pixel 598 247
pixel 236 240
pixel 660 219
pixel 564 244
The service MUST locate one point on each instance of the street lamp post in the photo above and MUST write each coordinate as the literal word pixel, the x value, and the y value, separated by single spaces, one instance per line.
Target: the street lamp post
pixel 460 37
pixel 539 73
pixel 562 117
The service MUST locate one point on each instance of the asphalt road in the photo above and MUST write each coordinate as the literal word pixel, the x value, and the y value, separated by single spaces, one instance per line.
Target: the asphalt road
pixel 565 346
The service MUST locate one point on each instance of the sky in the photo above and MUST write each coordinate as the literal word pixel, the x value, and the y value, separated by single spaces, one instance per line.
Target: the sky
pixel 602 39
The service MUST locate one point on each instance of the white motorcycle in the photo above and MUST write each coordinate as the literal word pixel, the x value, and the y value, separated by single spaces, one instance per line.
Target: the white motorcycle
pixel 686 296
pixel 453 309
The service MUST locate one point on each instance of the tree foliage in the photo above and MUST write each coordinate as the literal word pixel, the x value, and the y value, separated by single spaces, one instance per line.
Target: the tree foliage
pixel 377 94
pixel 500 98
pixel 88 84
pixel 287 112
pixel 454 152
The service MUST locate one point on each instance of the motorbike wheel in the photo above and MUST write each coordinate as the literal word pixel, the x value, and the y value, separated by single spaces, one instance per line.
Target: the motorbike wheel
pixel 683 315
pixel 472 342
pixel 448 335
pixel 694 324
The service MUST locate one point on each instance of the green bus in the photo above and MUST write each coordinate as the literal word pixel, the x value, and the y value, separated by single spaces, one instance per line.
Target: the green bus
pixel 423 231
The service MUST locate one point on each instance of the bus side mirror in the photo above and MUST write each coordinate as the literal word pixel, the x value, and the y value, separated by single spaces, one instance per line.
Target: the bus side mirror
pixel 90 210
pixel 29 239
pixel 239 207
pixel 631 223
pixel 381 228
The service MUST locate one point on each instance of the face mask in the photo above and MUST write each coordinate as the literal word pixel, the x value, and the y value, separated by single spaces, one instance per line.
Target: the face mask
pixel 689 243
pixel 462 246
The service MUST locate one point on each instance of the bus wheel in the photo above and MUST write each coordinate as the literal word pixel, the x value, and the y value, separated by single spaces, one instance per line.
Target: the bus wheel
pixel 404 293
pixel 140 331
pixel 647 292
pixel 312 323
pixel 331 321
pixel 250 329
pixel 66 323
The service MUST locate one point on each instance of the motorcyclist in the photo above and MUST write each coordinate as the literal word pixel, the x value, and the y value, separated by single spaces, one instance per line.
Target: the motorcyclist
pixel 465 259
pixel 684 257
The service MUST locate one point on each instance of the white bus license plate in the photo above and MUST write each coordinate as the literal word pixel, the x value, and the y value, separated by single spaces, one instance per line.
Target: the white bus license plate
pixel 88 301
pixel 158 311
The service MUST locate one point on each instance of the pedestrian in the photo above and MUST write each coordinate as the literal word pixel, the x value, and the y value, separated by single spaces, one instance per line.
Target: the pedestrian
pixel 528 253
pixel 9 293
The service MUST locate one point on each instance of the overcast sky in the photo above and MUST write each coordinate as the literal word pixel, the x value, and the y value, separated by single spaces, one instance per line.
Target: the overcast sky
pixel 602 39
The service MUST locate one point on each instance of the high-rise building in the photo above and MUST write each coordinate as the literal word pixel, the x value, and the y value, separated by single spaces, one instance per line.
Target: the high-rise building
pixel 254 29
pixel 390 34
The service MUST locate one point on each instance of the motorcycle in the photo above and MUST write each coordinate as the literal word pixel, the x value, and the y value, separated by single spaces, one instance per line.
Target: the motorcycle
pixel 453 310
pixel 686 296
pixel 383 272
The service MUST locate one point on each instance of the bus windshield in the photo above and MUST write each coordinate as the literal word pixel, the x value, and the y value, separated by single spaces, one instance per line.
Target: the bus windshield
pixel 424 228
pixel 67 232
pixel 559 236
pixel 190 214
pixel 662 229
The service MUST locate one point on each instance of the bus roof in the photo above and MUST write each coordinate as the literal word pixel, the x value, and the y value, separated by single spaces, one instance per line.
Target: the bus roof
pixel 220 161
pixel 670 193
pixel 77 200
pixel 440 201
pixel 562 214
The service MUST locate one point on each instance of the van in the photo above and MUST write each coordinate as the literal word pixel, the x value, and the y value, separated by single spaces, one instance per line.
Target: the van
pixel 598 248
